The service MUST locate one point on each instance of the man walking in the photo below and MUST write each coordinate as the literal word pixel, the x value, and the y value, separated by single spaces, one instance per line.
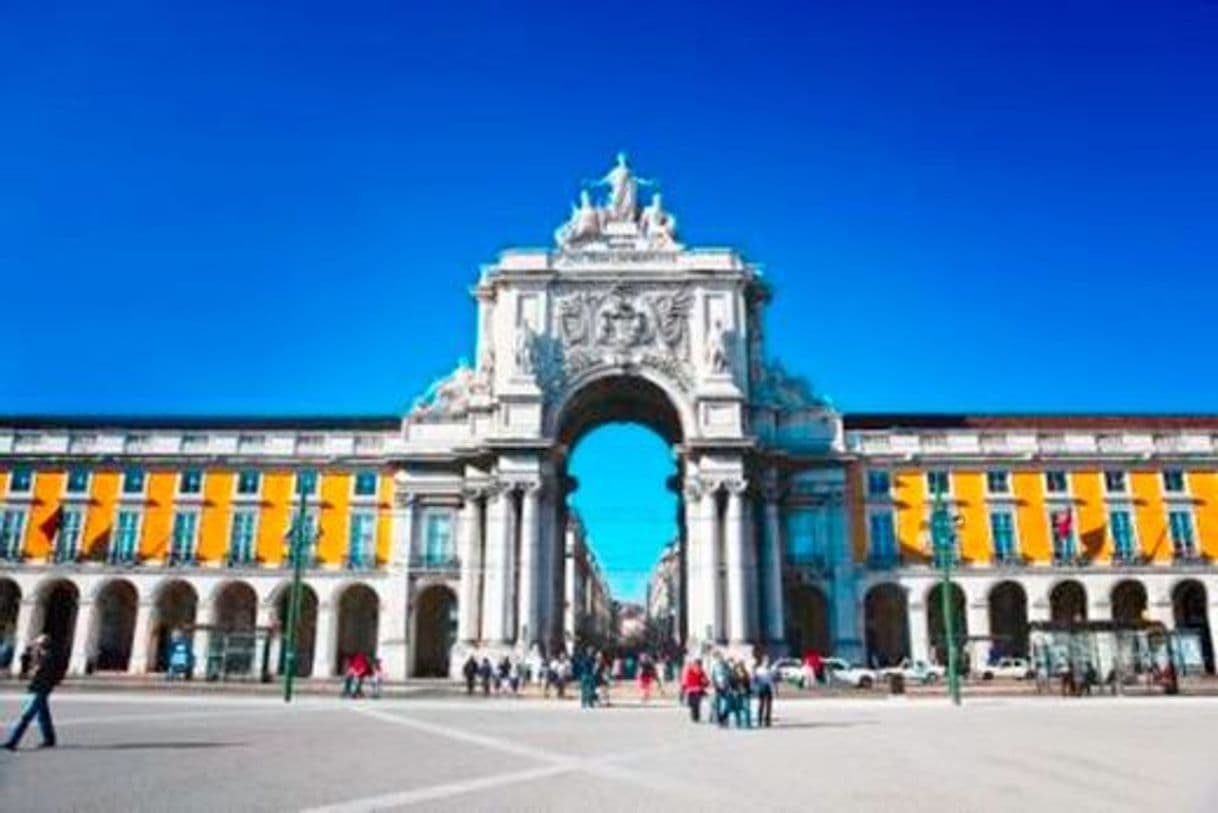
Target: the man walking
pixel 47 672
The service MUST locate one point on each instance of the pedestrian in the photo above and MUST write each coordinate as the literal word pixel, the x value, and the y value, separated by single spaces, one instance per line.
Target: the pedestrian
pixel 742 695
pixel 47 668
pixel 515 677
pixel 693 688
pixel 469 671
pixel 503 675
pixel 486 672
pixel 721 682
pixel 358 670
pixel 763 687
pixel 565 674
pixel 586 671
pixel 378 678
pixel 647 676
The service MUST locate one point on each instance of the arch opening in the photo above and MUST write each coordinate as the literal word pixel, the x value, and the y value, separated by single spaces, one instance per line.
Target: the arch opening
pixel 936 633
pixel 358 617
pixel 58 606
pixel 886 624
pixel 1129 602
pixel 1009 620
pixel 1067 603
pixel 435 630
pixel 1190 611
pixel 173 614
pixel 306 629
pixel 807 620
pixel 10 606
pixel 114 610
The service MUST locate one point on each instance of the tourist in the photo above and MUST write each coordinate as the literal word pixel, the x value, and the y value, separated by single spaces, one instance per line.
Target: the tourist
pixel 587 670
pixel 742 695
pixel 47 667
pixel 503 675
pixel 763 687
pixel 566 674
pixel 604 679
pixel 647 676
pixel 515 676
pixel 485 673
pixel 378 678
pixel 693 688
pixel 721 682
pixel 358 670
pixel 470 672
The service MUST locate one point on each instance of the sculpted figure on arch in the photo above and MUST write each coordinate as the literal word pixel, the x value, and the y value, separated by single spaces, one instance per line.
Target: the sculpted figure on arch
pixel 623 190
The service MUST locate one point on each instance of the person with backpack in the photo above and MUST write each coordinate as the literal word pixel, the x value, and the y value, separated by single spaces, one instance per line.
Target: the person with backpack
pixel 47 667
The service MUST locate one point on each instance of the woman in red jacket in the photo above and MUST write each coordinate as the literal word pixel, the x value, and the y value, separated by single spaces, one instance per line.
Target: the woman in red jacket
pixel 693 686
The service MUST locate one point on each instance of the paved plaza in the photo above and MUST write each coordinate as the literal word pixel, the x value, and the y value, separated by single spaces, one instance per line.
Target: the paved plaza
pixel 158 752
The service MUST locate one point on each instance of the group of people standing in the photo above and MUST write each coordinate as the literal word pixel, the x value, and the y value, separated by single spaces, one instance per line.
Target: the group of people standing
pixel 732 687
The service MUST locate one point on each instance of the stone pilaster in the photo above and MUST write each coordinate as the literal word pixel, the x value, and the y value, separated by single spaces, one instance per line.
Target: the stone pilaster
pixel 737 583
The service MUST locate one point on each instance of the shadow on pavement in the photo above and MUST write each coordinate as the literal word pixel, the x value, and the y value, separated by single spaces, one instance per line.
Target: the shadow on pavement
pixel 849 724
pixel 145 746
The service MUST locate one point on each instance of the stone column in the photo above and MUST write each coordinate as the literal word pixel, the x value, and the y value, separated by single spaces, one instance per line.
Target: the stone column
pixel 774 620
pixel 570 610
pixel 712 595
pixel 495 574
pixel 325 640
pixel 82 639
pixel 919 637
pixel 978 612
pixel 737 585
pixel 137 664
pixel 471 563
pixel 527 617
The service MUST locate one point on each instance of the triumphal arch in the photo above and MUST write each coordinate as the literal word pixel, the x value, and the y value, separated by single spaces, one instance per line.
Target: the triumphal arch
pixel 621 321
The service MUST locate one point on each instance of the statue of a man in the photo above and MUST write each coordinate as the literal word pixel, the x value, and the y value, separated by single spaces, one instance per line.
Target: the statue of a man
pixel 524 349
pixel 717 351
pixel 659 225
pixel 623 190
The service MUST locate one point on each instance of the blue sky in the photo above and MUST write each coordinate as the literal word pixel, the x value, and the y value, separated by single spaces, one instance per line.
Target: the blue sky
pixel 226 208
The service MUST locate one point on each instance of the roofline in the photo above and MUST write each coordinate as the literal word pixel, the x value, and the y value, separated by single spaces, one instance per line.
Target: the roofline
pixel 204 422
pixel 1028 420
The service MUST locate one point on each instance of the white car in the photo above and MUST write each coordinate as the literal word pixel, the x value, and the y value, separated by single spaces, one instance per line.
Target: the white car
pixel 916 671
pixel 1013 668
pixel 790 670
pixel 841 671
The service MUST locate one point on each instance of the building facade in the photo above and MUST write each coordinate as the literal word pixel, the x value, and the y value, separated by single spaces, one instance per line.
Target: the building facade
pixel 447 530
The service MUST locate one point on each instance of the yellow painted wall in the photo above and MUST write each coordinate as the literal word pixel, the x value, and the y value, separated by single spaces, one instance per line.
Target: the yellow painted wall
pixel 1090 515
pixel 973 534
pixel 275 516
pixel 384 516
pixel 1028 486
pixel 99 522
pixel 158 514
pixel 335 517
pixel 43 521
pixel 218 485
pixel 1151 515
pixel 1204 488
pixel 909 502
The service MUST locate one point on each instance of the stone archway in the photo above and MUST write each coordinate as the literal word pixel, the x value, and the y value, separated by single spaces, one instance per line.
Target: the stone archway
pixel 236 608
pixel 935 629
pixel 1129 602
pixel 1067 602
pixel 10 608
pixel 358 617
pixel 1190 610
pixel 114 612
pixel 807 620
pixel 174 611
pixel 306 629
pixel 886 624
pixel 435 630
pixel 57 609
pixel 1008 608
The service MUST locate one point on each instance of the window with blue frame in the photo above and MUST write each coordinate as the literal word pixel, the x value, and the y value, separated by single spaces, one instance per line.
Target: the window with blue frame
pixel 1173 481
pixel 125 540
pixel 67 541
pixel 1002 530
pixel 308 543
pixel 1121 527
pixel 306 482
pixel 241 540
pixel 365 484
pixel 879 483
pixel 1061 525
pixel 185 529
pixel 937 482
pixel 998 482
pixel 1180 524
pixel 78 480
pixel 133 481
pixel 437 538
pixel 1115 482
pixel 883 538
pixel 248 482
pixel 1056 482
pixel 12 528
pixel 190 481
pixel 361 550
pixel 21 480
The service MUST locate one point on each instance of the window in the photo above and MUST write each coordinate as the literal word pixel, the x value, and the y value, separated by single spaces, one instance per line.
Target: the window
pixel 361 550
pixel 67 542
pixel 1181 525
pixel 190 481
pixel 306 482
pixel 1002 530
pixel 437 539
pixel 998 482
pixel 1121 527
pixel 241 540
pixel 879 483
pixel 1173 481
pixel 309 543
pixel 78 480
pixel 1061 523
pixel 133 481
pixel 1115 482
pixel 21 480
pixel 182 546
pixel 1056 482
pixel 125 542
pixel 12 526
pixel 248 482
pixel 365 484
pixel 883 538
pixel 937 482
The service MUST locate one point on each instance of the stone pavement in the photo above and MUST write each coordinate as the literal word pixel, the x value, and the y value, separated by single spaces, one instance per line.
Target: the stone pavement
pixel 155 751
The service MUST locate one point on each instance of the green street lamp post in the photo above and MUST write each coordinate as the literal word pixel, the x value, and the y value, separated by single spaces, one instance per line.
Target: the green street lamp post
pixel 297 548
pixel 943 537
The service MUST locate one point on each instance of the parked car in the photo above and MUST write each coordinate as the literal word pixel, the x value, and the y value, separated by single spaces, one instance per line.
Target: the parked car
pixel 1013 668
pixel 842 671
pixel 915 671
pixel 790 670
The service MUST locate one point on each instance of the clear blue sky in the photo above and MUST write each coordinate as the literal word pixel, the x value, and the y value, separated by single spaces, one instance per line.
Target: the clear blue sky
pixel 986 206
